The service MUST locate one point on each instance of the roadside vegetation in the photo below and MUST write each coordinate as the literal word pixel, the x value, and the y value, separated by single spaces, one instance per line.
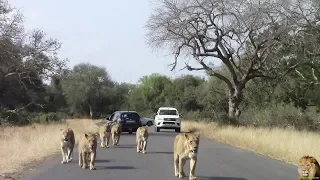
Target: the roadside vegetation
pixel 263 95
pixel 21 146
pixel 287 145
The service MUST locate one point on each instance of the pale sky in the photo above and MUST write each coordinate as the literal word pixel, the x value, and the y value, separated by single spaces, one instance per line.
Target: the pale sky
pixel 105 33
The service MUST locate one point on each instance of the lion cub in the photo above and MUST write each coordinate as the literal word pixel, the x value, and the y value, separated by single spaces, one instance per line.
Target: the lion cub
pixel 105 133
pixel 87 148
pixel 116 132
pixel 185 147
pixel 67 142
pixel 142 139
pixel 308 168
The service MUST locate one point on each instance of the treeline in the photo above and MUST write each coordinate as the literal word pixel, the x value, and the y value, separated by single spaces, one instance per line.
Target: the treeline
pixel 272 84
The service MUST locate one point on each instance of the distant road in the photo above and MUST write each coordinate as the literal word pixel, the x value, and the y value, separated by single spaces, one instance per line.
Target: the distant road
pixel 216 161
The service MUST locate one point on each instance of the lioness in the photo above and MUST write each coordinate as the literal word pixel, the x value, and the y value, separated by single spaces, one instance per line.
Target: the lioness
pixel 185 147
pixel 67 142
pixel 87 148
pixel 142 139
pixel 116 132
pixel 308 168
pixel 105 133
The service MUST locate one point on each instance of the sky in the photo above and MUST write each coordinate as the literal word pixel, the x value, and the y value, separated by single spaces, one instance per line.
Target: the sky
pixel 104 33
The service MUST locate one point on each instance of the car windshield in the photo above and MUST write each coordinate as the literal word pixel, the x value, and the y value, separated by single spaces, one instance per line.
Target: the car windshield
pixel 168 112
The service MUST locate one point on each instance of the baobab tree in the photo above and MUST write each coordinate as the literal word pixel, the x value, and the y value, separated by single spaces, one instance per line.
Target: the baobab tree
pixel 251 38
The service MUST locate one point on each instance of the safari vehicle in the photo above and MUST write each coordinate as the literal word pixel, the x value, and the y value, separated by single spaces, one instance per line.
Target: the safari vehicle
pixel 130 120
pixel 167 118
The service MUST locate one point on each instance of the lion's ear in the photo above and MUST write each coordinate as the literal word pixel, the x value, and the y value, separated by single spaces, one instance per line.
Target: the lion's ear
pixel 186 135
pixel 86 135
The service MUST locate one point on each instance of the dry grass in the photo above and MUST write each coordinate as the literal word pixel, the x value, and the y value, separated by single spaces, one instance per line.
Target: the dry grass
pixel 21 145
pixel 282 144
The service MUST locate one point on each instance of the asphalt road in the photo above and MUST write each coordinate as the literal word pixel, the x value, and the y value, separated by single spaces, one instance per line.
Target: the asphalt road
pixel 216 161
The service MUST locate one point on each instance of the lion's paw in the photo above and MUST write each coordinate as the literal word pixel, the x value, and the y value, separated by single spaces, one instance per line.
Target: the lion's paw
pixel 69 160
pixel 181 175
pixel 63 162
pixel 192 178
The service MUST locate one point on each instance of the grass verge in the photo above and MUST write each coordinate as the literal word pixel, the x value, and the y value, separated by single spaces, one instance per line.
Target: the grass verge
pixel 287 145
pixel 28 144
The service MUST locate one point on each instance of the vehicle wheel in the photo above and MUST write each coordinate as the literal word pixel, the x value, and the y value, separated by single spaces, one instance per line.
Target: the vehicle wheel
pixel 177 129
pixel 157 129
pixel 149 123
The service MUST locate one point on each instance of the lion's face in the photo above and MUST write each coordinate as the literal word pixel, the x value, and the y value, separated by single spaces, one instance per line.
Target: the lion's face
pixel 117 127
pixel 192 143
pixel 92 141
pixel 66 134
pixel 307 166
pixel 143 132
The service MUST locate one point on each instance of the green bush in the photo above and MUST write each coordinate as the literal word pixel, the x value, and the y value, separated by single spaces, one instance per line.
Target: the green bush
pixel 50 117
pixel 281 115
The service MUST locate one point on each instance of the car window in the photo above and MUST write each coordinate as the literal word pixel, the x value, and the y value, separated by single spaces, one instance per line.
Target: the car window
pixel 112 115
pixel 168 112
pixel 125 116
pixel 115 117
pixel 135 116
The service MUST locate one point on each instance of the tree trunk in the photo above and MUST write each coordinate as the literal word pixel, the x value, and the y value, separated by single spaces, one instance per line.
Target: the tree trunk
pixel 235 98
pixel 91 112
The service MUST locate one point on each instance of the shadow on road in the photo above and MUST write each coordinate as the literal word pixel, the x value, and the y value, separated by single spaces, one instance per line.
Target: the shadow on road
pixel 115 167
pixel 102 160
pixel 163 134
pixel 159 152
pixel 125 146
pixel 219 178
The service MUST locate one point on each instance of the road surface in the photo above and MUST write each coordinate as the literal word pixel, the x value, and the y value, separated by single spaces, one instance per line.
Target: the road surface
pixel 216 161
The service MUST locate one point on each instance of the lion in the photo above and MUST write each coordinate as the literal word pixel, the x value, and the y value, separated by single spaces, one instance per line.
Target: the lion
pixel 142 139
pixel 308 168
pixel 105 133
pixel 67 142
pixel 88 148
pixel 185 148
pixel 116 132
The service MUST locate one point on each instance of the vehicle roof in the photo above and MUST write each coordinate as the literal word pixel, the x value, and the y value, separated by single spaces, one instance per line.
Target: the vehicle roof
pixel 125 111
pixel 167 108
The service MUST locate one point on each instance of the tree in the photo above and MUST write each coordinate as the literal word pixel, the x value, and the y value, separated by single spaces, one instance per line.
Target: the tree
pixel 245 35
pixel 152 89
pixel 182 92
pixel 85 86
pixel 26 59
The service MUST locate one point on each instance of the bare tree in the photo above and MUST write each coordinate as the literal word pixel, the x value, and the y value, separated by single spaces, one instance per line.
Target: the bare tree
pixel 246 36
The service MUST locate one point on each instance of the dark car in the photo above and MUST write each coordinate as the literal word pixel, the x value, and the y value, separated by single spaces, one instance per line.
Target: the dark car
pixel 130 120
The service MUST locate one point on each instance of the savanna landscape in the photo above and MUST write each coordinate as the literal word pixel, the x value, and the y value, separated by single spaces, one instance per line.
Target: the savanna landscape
pixel 263 95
